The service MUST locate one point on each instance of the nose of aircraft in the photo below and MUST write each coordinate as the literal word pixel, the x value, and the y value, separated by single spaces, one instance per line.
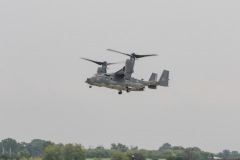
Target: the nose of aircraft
pixel 88 80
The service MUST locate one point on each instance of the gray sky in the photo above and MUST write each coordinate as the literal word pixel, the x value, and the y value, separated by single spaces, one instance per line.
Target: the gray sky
pixel 42 89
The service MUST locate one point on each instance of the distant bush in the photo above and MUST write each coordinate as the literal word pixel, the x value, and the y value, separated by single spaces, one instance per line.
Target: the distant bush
pixel 175 158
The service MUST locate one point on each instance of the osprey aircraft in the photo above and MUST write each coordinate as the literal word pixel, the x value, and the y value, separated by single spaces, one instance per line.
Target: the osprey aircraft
pixel 122 80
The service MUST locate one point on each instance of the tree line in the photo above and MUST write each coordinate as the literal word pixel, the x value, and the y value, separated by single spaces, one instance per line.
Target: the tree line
pixel 37 148
pixel 47 150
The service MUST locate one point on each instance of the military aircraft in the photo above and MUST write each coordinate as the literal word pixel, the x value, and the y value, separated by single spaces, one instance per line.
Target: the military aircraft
pixel 122 80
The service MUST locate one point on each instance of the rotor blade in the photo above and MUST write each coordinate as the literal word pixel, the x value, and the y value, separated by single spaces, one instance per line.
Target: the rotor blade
pixel 99 63
pixel 119 52
pixel 114 63
pixel 141 56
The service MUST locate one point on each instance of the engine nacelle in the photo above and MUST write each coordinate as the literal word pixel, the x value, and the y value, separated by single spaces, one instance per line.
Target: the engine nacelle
pixel 129 68
pixel 102 69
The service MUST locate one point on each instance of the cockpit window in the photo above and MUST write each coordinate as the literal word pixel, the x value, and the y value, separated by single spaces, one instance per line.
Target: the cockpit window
pixel 96 75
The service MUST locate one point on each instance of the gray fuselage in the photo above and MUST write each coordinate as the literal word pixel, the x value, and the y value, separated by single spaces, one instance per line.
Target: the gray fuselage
pixel 119 83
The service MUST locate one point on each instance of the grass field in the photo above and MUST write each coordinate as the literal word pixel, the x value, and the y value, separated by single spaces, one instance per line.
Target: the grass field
pixel 110 159
pixel 86 159
pixel 98 158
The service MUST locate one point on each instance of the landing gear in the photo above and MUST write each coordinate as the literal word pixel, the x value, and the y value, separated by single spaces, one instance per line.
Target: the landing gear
pixel 90 86
pixel 120 92
pixel 127 89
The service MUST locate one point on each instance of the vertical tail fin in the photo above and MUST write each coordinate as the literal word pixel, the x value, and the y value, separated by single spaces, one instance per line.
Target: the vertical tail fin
pixel 153 78
pixel 163 81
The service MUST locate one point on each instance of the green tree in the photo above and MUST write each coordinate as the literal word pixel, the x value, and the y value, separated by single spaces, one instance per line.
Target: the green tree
pixel 195 149
pixel 188 154
pixel 226 153
pixel 4 157
pixel 74 152
pixel 165 146
pixel 117 155
pixel 178 148
pixel 136 155
pixel 10 144
pixel 24 153
pixel 119 146
pixel 234 155
pixel 139 156
pixel 99 152
pixel 167 153
pixel 134 148
pixel 220 154
pixel 37 146
pixel 154 155
pixel 52 152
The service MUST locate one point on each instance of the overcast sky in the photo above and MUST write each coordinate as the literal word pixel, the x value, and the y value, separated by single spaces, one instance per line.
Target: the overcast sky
pixel 43 93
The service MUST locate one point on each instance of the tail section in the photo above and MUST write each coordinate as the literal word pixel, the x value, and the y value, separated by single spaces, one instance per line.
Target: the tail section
pixel 153 79
pixel 163 81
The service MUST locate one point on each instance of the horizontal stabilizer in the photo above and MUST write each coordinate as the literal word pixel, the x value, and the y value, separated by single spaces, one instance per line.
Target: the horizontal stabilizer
pixel 163 81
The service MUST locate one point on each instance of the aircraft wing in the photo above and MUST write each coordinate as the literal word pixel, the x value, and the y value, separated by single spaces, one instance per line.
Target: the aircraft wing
pixel 120 73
